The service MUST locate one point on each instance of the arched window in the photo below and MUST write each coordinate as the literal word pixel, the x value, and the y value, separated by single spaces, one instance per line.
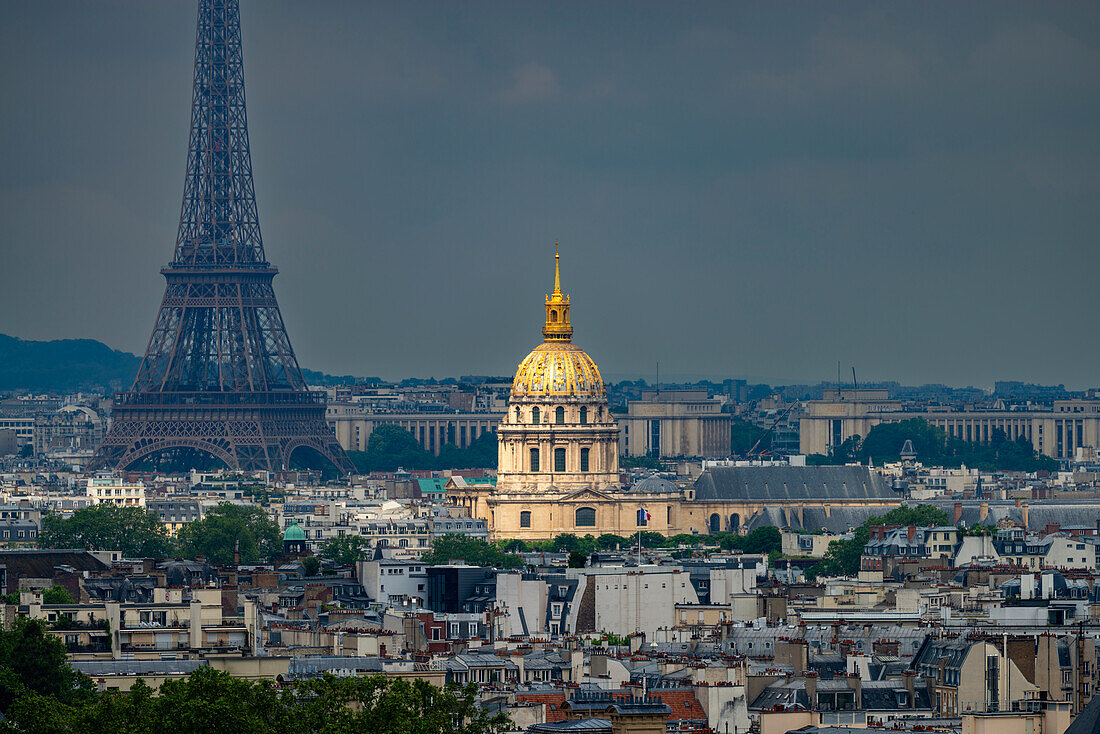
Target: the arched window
pixel 404 542
pixel 383 542
pixel 535 414
pixel 534 459
pixel 559 459
pixel 735 523
pixel 584 415
pixel 525 519
pixel 586 517
pixel 553 317
pixel 584 459
pixel 715 523
pixel 559 415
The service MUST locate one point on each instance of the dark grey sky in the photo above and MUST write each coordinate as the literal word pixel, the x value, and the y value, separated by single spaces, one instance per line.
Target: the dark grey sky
pixel 742 189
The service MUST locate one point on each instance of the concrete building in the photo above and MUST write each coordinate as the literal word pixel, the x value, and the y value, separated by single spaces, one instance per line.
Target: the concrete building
pixel 624 600
pixel 670 423
pixel 1056 430
pixel 110 489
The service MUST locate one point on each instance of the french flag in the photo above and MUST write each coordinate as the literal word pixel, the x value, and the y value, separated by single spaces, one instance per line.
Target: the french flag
pixel 643 516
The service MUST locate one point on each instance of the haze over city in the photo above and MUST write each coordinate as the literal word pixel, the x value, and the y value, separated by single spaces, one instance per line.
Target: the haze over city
pixel 739 190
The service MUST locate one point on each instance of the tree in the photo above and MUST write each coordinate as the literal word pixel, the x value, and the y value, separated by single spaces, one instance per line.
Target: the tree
pixel 577 559
pixel 389 448
pixel 312 565
pixel 57 595
pixel 848 450
pixel 346 549
pixel 33 663
pixel 210 701
pixel 217 534
pixel 474 551
pixel 885 441
pixel 132 530
pixel 842 557
pixel 610 541
pixel 482 453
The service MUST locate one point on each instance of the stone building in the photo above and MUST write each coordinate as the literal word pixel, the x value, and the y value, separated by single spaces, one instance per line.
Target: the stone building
pixel 670 423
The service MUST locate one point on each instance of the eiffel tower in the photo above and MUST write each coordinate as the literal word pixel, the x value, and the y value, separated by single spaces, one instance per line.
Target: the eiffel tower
pixel 219 375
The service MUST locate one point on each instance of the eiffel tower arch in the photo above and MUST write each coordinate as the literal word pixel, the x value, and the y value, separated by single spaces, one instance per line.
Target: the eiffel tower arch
pixel 219 375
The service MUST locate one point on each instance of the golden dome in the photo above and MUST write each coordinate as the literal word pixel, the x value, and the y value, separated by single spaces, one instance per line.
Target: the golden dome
pixel 558 367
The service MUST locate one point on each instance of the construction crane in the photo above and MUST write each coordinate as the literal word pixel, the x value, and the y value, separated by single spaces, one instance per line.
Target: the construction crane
pixel 771 428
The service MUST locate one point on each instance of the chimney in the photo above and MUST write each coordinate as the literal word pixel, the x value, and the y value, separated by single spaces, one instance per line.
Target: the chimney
pixel 811 689
pixel 1023 511
pixel 983 510
pixel 958 513
pixel 856 684
pixel 910 678
pixel 911 531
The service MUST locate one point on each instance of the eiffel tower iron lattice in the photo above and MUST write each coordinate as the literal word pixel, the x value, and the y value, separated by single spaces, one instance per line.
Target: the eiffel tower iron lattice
pixel 219 374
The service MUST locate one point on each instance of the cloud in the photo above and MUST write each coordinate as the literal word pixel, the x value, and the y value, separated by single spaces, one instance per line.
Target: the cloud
pixel 532 83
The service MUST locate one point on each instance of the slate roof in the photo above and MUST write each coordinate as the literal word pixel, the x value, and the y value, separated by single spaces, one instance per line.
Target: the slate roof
pixel 40 563
pixel 589 726
pixel 778 483
pixel 1088 721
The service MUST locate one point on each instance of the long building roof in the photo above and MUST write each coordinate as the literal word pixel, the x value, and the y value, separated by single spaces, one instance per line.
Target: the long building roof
pixel 779 483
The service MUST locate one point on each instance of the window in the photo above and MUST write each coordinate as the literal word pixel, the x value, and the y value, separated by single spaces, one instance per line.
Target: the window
pixel 584 415
pixel 584 459
pixel 559 459
pixel 586 517
pixel 535 415
pixel 525 519
pixel 559 415
pixel 535 458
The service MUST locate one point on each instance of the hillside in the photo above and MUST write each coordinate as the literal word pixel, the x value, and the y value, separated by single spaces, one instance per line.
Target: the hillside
pixel 70 365
pixel 64 365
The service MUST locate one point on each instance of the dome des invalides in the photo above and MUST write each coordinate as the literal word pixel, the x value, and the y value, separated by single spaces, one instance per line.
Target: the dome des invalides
pixel 558 435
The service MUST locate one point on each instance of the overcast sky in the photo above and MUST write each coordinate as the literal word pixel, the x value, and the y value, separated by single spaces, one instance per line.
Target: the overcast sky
pixel 739 189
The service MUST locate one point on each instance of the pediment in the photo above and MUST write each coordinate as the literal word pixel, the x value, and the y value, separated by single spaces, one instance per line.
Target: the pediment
pixel 587 495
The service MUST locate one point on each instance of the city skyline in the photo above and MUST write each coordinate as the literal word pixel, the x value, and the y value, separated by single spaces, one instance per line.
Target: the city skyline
pixel 863 186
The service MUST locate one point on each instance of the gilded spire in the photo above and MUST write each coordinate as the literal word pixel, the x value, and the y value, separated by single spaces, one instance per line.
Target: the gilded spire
pixel 557 272
pixel 557 327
